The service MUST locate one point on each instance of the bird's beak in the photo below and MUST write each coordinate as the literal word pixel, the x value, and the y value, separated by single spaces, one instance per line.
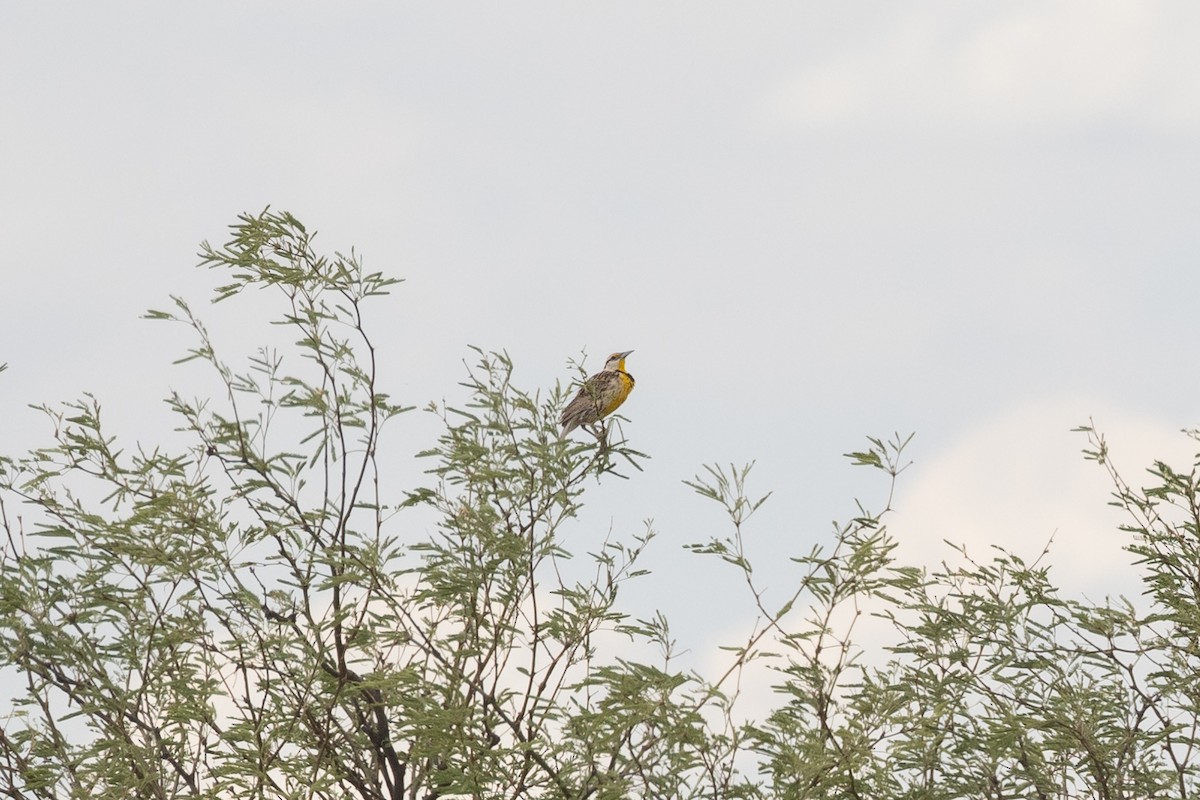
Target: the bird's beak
pixel 626 353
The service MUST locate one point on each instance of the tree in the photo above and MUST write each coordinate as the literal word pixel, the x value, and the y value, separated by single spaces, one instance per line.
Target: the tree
pixel 256 615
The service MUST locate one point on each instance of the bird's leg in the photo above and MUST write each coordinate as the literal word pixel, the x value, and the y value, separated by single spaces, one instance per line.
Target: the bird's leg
pixel 597 430
pixel 601 434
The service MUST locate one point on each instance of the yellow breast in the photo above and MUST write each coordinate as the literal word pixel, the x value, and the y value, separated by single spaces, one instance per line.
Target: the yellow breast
pixel 620 390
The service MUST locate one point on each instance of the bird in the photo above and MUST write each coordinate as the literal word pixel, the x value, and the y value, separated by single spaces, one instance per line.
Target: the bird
pixel 600 395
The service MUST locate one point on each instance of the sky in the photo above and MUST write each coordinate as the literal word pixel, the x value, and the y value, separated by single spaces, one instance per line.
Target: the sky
pixel 812 222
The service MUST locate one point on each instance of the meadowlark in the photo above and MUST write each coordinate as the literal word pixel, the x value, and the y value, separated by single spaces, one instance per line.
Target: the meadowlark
pixel 599 396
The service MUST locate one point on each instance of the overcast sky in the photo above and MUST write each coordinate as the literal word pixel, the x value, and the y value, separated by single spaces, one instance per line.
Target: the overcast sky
pixel 813 222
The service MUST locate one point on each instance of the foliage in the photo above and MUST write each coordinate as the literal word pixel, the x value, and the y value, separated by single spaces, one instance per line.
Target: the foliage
pixel 266 613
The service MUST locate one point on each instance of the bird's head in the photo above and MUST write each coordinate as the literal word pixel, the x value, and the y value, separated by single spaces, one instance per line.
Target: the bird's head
pixel 617 361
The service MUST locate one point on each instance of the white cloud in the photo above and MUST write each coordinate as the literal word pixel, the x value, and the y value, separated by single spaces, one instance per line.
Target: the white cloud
pixel 1015 67
pixel 1021 479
